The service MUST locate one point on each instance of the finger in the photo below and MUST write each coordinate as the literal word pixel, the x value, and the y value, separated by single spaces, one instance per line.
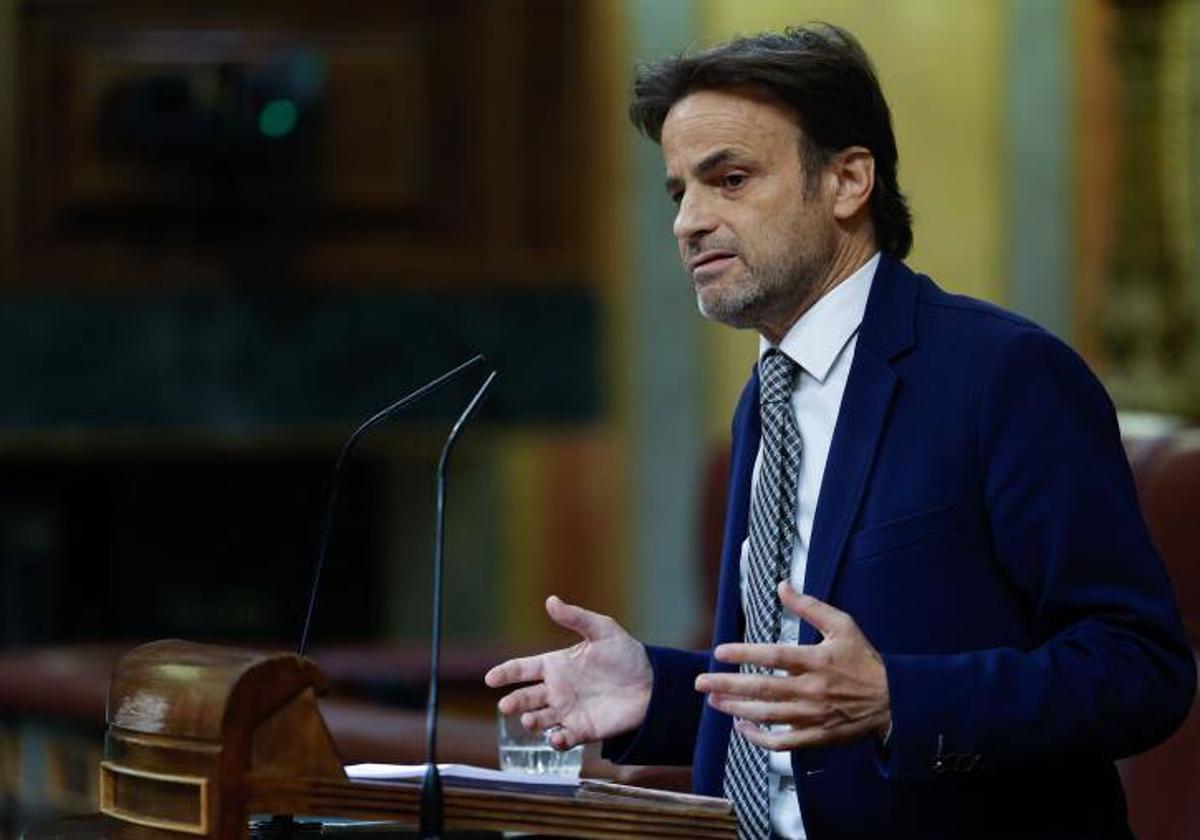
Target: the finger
pixel 747 686
pixel 539 719
pixel 564 738
pixel 782 739
pixel 525 669
pixel 806 686
pixel 757 711
pixel 810 686
pixel 776 657
pixel 524 699
pixel 827 619
pixel 586 623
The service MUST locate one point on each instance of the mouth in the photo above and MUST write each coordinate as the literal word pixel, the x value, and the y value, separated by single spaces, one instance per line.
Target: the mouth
pixel 710 263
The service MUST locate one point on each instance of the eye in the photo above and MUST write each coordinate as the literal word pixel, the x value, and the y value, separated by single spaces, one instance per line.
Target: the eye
pixel 733 180
pixel 676 197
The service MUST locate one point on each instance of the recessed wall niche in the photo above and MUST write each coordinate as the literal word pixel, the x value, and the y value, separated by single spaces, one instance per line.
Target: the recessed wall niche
pixel 401 144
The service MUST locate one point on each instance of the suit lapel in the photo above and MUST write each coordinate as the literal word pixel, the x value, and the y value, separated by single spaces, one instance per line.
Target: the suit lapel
pixel 708 769
pixel 886 331
pixel 729 622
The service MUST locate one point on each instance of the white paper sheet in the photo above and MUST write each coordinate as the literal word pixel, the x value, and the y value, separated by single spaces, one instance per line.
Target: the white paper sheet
pixel 465 773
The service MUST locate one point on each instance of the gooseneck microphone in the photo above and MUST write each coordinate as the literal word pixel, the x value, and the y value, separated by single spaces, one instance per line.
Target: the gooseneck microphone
pixel 431 788
pixel 335 484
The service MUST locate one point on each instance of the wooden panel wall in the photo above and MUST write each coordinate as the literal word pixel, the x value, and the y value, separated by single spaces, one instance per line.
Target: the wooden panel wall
pixel 424 143
pixel 197 271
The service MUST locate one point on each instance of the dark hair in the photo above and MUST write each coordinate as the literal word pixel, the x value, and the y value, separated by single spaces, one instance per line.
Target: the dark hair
pixel 822 73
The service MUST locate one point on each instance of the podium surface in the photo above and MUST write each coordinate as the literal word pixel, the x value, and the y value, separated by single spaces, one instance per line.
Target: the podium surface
pixel 200 737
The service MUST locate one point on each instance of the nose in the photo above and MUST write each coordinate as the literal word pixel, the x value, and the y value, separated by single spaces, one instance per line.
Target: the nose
pixel 693 219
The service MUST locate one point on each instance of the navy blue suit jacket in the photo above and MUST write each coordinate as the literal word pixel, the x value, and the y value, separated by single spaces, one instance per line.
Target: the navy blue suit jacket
pixel 977 518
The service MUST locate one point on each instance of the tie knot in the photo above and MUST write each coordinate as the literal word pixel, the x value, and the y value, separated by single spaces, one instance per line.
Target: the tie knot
pixel 777 373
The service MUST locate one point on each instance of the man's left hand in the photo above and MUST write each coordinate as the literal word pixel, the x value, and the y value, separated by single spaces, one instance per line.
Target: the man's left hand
pixel 833 692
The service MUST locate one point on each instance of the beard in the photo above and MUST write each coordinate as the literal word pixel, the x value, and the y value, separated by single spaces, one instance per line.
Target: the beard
pixel 768 289
pixel 737 305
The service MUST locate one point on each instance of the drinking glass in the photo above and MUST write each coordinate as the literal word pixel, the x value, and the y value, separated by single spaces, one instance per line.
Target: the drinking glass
pixel 529 751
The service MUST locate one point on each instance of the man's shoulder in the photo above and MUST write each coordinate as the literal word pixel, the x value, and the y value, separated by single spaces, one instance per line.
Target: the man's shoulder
pixel 968 312
pixel 909 309
pixel 988 337
pixel 969 322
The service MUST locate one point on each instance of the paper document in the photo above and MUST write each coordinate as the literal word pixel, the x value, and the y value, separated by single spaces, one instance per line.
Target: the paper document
pixel 462 774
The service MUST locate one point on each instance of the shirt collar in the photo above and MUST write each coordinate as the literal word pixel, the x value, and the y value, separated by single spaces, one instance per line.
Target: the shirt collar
pixel 817 338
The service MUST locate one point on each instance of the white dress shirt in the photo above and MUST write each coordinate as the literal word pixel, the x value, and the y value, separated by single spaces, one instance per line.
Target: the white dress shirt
pixel 822 342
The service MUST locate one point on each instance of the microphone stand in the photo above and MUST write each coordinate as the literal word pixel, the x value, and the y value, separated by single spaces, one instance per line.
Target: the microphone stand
pixel 284 825
pixel 432 806
pixel 335 484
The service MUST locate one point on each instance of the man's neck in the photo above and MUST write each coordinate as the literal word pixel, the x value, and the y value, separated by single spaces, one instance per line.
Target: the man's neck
pixel 848 258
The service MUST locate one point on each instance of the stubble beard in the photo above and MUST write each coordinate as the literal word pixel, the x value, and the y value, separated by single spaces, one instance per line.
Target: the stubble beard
pixel 766 294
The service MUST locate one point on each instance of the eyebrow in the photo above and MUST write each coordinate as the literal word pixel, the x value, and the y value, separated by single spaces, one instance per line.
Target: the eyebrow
pixel 708 164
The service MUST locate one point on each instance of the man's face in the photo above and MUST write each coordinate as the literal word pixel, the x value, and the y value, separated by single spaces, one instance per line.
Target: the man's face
pixel 754 243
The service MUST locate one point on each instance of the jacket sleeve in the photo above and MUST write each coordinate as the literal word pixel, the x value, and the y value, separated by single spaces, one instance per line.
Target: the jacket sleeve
pixel 668 734
pixel 1108 672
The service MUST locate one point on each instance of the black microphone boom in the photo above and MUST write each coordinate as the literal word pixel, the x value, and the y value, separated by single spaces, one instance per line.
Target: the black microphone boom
pixel 431 789
pixel 331 504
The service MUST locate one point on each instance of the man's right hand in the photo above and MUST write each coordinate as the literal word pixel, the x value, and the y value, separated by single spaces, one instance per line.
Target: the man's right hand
pixel 596 689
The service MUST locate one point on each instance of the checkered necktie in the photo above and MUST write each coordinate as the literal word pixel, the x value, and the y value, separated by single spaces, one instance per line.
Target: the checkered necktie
pixel 772 531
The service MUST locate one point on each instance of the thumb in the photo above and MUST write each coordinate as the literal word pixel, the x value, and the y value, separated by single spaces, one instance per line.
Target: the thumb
pixel 586 623
pixel 827 619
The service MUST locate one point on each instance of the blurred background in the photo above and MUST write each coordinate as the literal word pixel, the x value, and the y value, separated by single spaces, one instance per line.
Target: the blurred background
pixel 229 230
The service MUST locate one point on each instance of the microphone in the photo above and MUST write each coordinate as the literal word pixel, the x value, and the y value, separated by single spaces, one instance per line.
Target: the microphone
pixel 431 788
pixel 335 484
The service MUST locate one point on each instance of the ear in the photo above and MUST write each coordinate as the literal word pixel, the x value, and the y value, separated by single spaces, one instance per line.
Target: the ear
pixel 854 170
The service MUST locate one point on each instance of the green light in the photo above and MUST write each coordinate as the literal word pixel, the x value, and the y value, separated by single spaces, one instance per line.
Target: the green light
pixel 277 118
pixel 182 673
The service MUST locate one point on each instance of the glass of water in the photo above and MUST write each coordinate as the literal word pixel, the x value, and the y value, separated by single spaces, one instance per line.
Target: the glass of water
pixel 526 751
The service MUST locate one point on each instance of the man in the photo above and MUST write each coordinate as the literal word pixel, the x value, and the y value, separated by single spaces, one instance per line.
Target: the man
pixel 985 625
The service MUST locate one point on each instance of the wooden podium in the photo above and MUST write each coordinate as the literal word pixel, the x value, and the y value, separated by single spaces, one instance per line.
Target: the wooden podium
pixel 201 737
